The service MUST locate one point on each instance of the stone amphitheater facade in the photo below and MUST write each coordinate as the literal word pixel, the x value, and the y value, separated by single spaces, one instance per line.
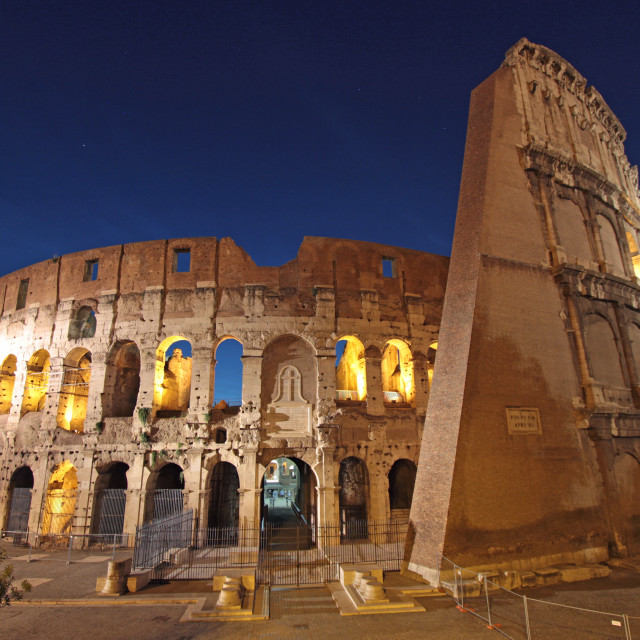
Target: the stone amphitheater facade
pixel 90 400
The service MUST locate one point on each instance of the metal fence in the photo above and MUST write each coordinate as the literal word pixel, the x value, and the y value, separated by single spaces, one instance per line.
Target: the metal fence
pixel 19 509
pixel 281 555
pixel 518 617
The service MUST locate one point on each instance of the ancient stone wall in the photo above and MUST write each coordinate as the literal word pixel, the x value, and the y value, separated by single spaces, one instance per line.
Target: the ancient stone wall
pixel 92 384
pixel 529 453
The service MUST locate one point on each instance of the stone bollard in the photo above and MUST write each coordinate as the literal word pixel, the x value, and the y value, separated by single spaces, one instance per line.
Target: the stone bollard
pixel 116 582
pixel 371 589
pixel 357 579
pixel 230 595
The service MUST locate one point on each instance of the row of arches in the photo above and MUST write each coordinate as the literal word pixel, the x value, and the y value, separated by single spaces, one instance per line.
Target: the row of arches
pixel 173 373
pixel 288 486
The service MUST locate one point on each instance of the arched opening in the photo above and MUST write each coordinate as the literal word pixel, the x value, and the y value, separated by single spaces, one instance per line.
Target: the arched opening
pixel 351 375
pixel 165 497
pixel 602 351
pixel 572 231
pixel 289 386
pixel 402 478
pixel 37 382
pixel 610 244
pixel 109 502
pixel 20 487
pixel 7 381
pixel 228 374
pixel 633 251
pixel 122 380
pixel 60 503
pixel 172 382
pixel 397 373
pixel 353 480
pixel 74 391
pixel 224 501
pixel 83 324
pixel 431 360
pixel 289 495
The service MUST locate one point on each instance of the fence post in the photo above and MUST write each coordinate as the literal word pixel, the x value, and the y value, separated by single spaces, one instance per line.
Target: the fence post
pixel 69 552
pixel 486 595
pixel 526 617
pixel 461 592
pixel 627 628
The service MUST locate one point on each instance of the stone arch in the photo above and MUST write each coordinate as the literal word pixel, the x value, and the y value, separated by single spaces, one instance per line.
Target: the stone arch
pixel 572 231
pixel 7 382
pixel 285 356
pixel 122 380
pixel 610 244
pixel 397 373
pixel 228 372
pixel 60 504
pixel 165 496
pixel 74 390
pixel 431 360
pixel 83 324
pixel 20 488
pixel 172 381
pixel 298 481
pixel 602 351
pixel 351 373
pixel 110 496
pixel 634 253
pixel 402 478
pixel 36 384
pixel 224 500
pixel 634 338
pixel 353 479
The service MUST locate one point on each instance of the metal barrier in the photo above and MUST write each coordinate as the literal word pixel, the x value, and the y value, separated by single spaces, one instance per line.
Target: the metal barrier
pixel 64 546
pixel 518 617
pixel 291 555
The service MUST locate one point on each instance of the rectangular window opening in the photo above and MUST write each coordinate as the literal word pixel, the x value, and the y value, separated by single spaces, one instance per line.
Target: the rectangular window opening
pixel 389 267
pixel 181 260
pixel 90 270
pixel 22 294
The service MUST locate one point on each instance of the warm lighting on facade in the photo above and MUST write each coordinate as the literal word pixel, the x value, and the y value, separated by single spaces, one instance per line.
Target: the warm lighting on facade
pixel 351 373
pixel 74 390
pixel 172 378
pixel 397 373
pixel 37 382
pixel 61 499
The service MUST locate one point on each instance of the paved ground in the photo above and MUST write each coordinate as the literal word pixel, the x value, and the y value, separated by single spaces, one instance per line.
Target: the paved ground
pixel 63 605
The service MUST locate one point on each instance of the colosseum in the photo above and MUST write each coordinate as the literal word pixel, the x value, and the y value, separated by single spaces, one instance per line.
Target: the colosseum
pixel 518 447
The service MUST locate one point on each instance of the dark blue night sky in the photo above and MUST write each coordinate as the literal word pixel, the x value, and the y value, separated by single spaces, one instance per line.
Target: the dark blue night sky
pixel 265 121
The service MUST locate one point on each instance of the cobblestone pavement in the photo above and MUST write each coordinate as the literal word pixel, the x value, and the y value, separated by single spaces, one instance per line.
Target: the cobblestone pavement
pixel 63 604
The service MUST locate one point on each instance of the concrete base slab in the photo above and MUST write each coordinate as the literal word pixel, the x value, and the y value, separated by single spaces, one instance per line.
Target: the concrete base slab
pixel 348 606
pixel 255 606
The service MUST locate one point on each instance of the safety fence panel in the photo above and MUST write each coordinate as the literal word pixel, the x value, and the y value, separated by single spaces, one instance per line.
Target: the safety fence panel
pixel 519 617
pixel 157 542
pixel 19 509
pixel 167 503
pixel 553 621
pixel 110 505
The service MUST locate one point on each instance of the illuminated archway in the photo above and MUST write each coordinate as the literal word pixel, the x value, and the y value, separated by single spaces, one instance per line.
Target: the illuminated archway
pixel 74 391
pixel 7 381
pixel 83 324
pixel 351 374
pixel 289 494
pixel 397 373
pixel 60 503
pixel 633 250
pixel 172 381
pixel 37 382
pixel 431 360
pixel 20 487
pixel 122 380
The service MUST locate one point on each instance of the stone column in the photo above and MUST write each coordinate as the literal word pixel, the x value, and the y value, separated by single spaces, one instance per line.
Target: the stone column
pixel 56 375
pixel 134 507
pixel 328 508
pixel 148 360
pixel 251 377
pixel 41 473
pixel 18 391
pixel 95 391
pixel 202 379
pixel 421 381
pixel 375 397
pixel 84 499
pixel 193 481
pixel 250 491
